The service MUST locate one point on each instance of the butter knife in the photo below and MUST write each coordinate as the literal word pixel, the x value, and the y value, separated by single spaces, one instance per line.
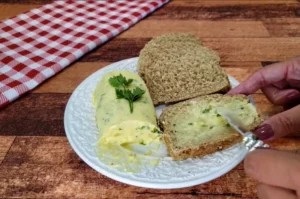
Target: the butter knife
pixel 250 140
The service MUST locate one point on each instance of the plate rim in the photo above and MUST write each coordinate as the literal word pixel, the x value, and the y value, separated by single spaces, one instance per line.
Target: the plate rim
pixel 138 183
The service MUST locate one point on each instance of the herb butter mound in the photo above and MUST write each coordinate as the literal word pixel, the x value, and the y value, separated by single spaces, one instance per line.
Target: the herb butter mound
pixel 194 128
pixel 177 67
pixel 121 97
pixel 125 116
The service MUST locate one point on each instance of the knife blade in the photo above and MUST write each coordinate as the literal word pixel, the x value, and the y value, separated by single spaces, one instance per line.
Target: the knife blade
pixel 250 140
pixel 233 120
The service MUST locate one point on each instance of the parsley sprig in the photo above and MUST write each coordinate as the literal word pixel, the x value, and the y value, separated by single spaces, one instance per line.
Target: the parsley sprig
pixel 120 80
pixel 120 83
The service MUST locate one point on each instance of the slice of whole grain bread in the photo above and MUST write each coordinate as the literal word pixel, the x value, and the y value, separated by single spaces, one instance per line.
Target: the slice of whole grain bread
pixel 176 67
pixel 193 128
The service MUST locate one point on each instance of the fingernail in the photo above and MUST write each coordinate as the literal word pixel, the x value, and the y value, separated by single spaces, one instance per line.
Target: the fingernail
pixel 293 96
pixel 264 132
pixel 265 148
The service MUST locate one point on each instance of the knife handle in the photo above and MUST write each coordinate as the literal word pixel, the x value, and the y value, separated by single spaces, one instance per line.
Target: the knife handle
pixel 251 142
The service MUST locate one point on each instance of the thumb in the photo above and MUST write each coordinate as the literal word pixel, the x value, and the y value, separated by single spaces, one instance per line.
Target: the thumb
pixel 280 125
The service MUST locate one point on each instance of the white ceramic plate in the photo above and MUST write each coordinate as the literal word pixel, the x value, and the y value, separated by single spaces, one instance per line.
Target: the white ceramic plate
pixel 81 131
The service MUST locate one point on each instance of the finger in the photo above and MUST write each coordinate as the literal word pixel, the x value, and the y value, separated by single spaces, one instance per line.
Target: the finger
pixel 271 192
pixel 281 97
pixel 293 75
pixel 281 85
pixel 290 105
pixel 272 74
pixel 280 125
pixel 264 77
pixel 276 168
pixel 297 151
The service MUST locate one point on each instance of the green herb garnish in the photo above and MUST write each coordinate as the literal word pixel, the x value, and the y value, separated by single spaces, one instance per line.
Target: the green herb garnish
pixel 206 110
pixel 124 92
pixel 155 130
pixel 120 80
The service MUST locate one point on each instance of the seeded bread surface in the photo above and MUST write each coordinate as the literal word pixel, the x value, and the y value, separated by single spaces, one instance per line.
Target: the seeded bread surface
pixel 177 67
pixel 181 137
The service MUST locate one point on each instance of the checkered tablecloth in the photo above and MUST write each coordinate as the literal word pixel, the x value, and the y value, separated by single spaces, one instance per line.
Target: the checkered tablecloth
pixel 36 45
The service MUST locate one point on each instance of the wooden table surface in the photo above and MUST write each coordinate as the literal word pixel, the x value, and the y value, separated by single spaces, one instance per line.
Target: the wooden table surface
pixel 36 160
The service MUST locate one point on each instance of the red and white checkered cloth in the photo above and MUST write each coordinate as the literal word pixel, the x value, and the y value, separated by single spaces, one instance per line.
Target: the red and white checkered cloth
pixel 36 45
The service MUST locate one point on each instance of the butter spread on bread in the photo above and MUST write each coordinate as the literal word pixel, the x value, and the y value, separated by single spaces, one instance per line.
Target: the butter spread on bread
pixel 193 128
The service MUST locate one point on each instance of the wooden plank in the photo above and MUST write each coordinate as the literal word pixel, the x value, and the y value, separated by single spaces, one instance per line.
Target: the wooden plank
pixel 198 3
pixel 227 11
pixel 266 63
pixel 152 28
pixel 240 70
pixel 287 144
pixel 67 80
pixel 47 167
pixel 34 114
pixel 230 49
pixel 42 114
pixel 254 49
pixel 283 27
pixel 116 49
pixel 38 167
pixel 6 10
pixel 14 2
pixel 5 144
pixel 72 76
pixel 265 107
pixel 177 2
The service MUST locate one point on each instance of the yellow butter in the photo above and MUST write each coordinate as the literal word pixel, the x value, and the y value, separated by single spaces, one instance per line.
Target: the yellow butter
pixel 206 123
pixel 119 128
pixel 111 111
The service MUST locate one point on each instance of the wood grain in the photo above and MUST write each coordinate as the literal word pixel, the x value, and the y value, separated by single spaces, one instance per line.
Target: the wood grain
pixel 73 75
pixel 6 10
pixel 283 27
pixel 241 71
pixel 68 79
pixel 201 3
pixel 32 2
pixel 5 144
pixel 42 114
pixel 254 49
pixel 228 11
pixel 47 167
pixel 36 160
pixel 198 28
pixel 230 49
pixel 34 114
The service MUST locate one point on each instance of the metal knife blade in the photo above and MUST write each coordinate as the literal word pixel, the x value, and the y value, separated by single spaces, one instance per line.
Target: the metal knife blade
pixel 250 141
pixel 233 120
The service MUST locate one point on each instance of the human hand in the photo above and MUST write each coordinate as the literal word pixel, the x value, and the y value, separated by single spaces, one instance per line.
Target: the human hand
pixel 277 171
pixel 280 83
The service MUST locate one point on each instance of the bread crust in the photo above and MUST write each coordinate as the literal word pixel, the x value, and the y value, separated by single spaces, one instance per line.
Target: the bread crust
pixel 201 151
pixel 173 76
pixel 208 148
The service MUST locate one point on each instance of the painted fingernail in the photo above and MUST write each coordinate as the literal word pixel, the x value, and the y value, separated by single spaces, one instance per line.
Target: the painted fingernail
pixel 265 148
pixel 293 96
pixel 264 132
